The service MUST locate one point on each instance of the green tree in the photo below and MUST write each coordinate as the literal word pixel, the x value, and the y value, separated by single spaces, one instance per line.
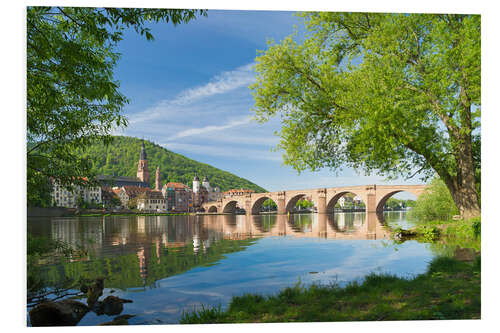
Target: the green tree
pixel 393 203
pixel 434 204
pixel 269 205
pixel 396 94
pixel 72 96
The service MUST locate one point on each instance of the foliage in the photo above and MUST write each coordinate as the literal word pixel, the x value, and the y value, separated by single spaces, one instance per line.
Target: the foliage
pixel 393 203
pixel 396 94
pixel 450 289
pixel 114 202
pixel 470 229
pixel 435 203
pixel 72 96
pixel 269 205
pixel 82 204
pixel 132 203
pixel 120 157
pixel 304 204
pixel 429 234
pixel 445 236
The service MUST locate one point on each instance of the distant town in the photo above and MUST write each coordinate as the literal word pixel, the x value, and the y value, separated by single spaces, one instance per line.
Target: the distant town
pixel 122 194
pixel 127 193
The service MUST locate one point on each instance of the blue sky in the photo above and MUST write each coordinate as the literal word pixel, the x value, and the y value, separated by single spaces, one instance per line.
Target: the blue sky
pixel 188 92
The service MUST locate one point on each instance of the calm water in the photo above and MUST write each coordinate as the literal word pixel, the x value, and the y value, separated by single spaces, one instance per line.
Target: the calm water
pixel 171 264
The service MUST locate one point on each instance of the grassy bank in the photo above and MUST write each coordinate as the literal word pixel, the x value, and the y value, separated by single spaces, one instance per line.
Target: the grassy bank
pixel 450 289
pixel 466 234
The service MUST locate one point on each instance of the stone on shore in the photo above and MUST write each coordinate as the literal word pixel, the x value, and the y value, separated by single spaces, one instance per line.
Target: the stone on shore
pixel 62 313
pixel 110 306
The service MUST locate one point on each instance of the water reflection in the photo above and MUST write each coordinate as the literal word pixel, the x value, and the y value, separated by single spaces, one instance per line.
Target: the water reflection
pixel 180 261
pixel 159 246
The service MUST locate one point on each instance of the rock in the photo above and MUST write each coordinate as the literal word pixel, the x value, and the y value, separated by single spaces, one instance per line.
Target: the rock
pixel 94 291
pixel 62 313
pixel 120 320
pixel 110 306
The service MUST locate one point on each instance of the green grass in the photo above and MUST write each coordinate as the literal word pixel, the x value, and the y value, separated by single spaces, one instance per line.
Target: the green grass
pixel 450 289
pixel 466 234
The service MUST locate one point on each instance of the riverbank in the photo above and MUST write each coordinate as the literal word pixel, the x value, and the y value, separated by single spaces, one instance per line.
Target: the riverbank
pixel 466 234
pixel 450 289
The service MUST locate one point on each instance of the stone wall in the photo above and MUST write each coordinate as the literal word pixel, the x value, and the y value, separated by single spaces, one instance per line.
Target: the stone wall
pixel 50 212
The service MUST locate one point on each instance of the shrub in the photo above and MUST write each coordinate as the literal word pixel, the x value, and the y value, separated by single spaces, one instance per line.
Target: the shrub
pixel 435 203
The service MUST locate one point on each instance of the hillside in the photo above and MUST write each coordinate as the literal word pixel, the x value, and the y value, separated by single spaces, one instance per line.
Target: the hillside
pixel 121 156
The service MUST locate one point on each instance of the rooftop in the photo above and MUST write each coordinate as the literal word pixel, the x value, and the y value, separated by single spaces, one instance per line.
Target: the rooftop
pixel 176 185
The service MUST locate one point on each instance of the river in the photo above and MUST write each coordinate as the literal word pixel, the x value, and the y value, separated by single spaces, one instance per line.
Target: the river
pixel 171 264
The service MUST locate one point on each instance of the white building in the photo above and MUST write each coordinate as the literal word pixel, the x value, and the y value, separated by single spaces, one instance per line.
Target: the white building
pixel 151 201
pixel 61 197
pixel 196 184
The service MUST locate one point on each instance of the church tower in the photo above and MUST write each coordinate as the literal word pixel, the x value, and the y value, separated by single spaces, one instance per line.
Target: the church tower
pixel 142 167
pixel 206 184
pixel 196 184
pixel 157 179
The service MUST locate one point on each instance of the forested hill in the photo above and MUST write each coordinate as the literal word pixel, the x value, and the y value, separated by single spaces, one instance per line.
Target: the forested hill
pixel 120 159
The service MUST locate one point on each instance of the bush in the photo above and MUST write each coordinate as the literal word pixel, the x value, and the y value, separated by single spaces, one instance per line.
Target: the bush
pixel 435 203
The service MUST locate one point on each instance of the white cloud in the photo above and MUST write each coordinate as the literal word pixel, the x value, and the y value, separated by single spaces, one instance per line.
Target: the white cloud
pixel 222 83
pixel 211 128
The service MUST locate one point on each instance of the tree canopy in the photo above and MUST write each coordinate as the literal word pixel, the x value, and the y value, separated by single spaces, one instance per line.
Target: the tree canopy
pixel 395 94
pixel 72 97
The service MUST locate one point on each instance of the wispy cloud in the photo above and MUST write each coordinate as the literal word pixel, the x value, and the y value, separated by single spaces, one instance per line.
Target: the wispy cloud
pixel 222 83
pixel 211 128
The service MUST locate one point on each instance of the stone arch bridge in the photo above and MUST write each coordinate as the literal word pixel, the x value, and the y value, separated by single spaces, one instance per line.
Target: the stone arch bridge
pixel 374 197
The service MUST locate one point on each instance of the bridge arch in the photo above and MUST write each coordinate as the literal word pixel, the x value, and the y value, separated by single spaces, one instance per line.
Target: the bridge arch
pixel 257 204
pixel 293 201
pixel 383 200
pixel 230 206
pixel 212 209
pixel 333 201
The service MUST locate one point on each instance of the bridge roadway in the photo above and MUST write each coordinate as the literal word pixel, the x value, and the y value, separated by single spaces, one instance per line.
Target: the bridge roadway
pixel 374 197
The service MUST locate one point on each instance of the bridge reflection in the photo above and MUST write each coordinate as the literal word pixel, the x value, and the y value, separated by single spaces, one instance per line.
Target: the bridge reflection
pixel 330 226
pixel 104 233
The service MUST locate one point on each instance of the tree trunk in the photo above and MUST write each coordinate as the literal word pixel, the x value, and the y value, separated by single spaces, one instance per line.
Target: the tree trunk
pixel 462 183
pixel 463 186
pixel 466 199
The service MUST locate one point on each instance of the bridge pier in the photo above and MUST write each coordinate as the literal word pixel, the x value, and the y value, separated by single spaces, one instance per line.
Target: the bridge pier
pixel 248 207
pixel 321 201
pixel 371 203
pixel 281 203
pixel 281 206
